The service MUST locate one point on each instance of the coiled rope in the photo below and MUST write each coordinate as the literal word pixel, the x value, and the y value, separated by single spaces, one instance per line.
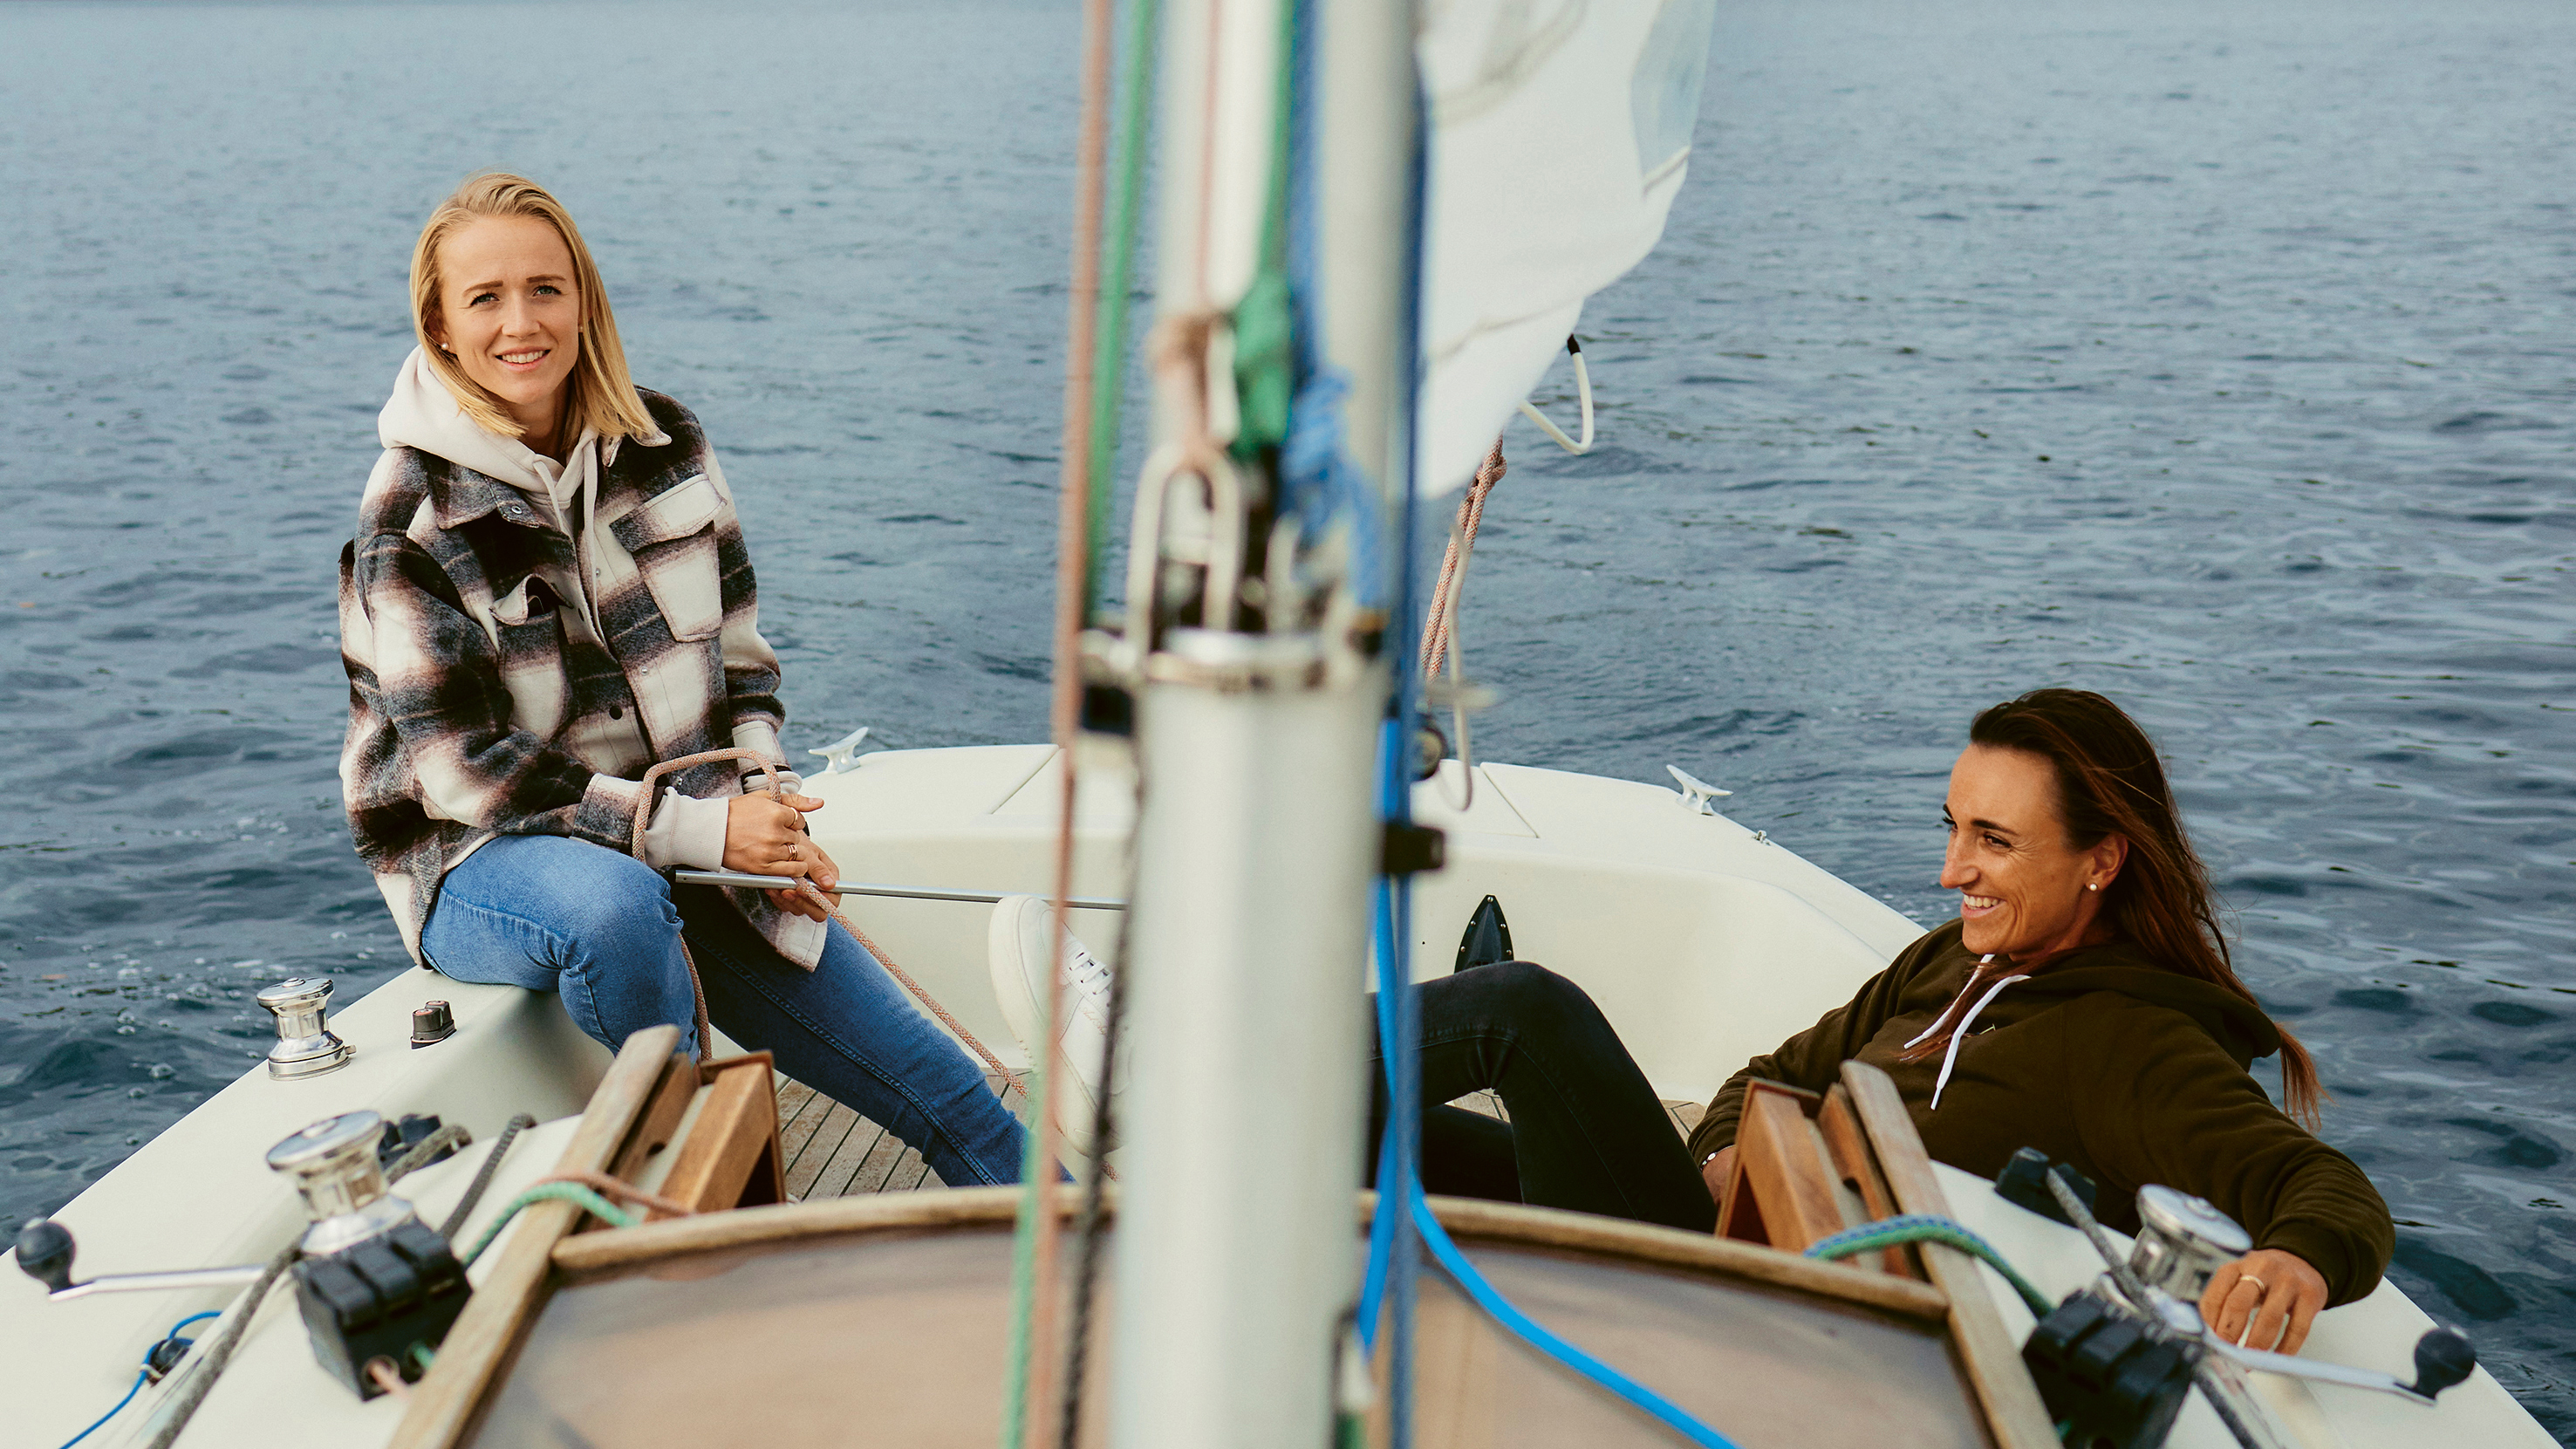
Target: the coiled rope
pixel 483 1176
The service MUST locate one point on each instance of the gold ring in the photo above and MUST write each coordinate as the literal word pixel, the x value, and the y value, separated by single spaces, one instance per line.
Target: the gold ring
pixel 2260 1287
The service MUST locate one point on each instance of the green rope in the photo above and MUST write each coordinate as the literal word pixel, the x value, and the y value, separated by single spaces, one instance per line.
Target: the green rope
pixel 1034 1172
pixel 1118 269
pixel 1919 1228
pixel 572 1192
pixel 1265 378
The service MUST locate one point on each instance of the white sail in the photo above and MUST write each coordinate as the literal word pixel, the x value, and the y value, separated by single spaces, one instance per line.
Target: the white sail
pixel 1560 133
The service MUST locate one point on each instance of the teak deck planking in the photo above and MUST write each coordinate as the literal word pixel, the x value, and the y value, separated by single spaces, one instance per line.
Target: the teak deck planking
pixel 832 1151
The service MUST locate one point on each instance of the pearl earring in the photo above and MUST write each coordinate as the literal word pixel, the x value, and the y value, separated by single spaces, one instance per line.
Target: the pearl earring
pixel 2091 886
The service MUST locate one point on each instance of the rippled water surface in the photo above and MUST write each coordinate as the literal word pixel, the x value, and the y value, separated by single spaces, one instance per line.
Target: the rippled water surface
pixel 2215 357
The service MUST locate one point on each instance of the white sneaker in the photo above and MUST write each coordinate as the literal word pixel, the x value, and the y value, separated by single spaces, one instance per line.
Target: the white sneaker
pixel 1019 947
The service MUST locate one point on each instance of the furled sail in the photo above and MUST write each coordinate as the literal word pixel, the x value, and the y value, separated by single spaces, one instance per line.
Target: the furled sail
pixel 1560 133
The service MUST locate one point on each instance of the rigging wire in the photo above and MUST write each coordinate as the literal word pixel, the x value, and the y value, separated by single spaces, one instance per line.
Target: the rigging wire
pixel 1029 1381
pixel 1104 1124
pixel 1118 267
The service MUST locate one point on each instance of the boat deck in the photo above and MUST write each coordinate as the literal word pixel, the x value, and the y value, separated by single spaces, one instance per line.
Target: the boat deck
pixel 832 1151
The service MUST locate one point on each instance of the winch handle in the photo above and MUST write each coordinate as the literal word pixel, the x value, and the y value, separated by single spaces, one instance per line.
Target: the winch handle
pixel 45 1250
pixel 2444 1358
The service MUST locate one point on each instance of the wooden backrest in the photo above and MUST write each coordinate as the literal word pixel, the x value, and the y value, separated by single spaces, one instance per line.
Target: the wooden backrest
pixel 1804 1171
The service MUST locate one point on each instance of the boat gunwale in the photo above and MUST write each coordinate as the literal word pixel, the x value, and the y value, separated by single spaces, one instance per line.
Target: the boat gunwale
pixel 589 1257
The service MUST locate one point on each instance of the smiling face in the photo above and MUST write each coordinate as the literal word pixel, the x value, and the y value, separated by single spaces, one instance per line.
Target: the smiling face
pixel 2021 881
pixel 509 312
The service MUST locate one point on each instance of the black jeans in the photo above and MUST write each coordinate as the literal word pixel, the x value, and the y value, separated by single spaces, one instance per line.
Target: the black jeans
pixel 1586 1131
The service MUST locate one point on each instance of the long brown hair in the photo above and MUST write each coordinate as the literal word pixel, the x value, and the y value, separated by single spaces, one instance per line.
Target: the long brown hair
pixel 603 397
pixel 2109 782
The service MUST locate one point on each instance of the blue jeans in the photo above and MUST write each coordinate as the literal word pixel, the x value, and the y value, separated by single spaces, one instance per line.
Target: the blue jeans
pixel 604 931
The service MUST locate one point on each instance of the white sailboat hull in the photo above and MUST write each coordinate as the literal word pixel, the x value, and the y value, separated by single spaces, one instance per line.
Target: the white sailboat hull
pixel 1702 943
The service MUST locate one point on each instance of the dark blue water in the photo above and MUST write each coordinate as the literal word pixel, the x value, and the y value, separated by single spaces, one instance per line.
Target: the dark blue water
pixel 2217 357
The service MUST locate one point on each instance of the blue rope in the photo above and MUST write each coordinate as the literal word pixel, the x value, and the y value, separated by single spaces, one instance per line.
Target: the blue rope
pixel 1403 1216
pixel 1319 481
pixel 139 1376
pixel 143 1374
pixel 1538 1336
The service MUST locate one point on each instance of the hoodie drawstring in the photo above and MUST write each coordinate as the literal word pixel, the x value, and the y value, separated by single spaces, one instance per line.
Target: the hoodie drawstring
pixel 1950 1058
pixel 1939 1021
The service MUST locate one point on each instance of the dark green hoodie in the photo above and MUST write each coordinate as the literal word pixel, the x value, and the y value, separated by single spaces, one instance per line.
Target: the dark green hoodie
pixel 2132 1073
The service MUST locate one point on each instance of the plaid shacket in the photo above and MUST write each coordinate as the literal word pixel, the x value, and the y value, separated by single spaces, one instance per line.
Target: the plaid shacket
pixel 481 705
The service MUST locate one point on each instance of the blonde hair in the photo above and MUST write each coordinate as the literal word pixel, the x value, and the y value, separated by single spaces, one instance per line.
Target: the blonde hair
pixel 603 397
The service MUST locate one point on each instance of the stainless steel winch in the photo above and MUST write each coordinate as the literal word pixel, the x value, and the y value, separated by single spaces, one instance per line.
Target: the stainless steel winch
pixel 334 1167
pixel 2114 1360
pixel 2182 1240
pixel 376 1285
pixel 305 1046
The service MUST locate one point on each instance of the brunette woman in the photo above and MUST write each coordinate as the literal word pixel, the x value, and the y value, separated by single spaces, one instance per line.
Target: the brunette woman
pixel 2083 1003
pixel 547 595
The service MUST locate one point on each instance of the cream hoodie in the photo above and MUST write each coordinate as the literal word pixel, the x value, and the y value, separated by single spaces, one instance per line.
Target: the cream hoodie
pixel 423 414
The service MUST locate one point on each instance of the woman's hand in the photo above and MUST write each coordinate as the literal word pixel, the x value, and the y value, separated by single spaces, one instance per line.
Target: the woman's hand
pixel 766 836
pixel 2266 1299
pixel 1716 1170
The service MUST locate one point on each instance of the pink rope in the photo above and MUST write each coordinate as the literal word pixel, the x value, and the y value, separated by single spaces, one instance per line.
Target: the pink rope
pixel 1471 514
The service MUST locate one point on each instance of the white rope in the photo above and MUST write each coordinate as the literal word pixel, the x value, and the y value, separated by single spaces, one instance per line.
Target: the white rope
pixel 1583 396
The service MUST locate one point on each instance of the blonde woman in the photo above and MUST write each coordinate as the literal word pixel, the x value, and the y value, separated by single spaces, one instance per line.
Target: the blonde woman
pixel 549 593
